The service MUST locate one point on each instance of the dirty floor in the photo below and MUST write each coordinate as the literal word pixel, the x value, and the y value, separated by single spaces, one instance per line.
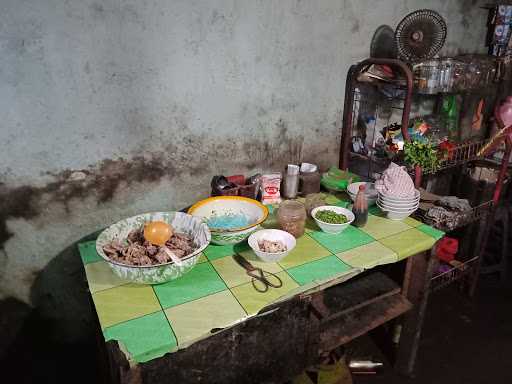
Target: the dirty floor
pixel 464 342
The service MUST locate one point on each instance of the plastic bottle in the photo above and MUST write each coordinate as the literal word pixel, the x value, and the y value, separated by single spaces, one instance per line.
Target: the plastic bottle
pixel 505 111
pixel 450 116
pixel 360 208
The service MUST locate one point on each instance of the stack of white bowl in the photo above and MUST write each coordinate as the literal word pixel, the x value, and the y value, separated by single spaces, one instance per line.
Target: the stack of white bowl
pixel 370 191
pixel 398 208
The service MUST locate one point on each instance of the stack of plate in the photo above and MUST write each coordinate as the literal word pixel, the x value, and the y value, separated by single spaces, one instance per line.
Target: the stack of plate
pixel 398 208
pixel 370 191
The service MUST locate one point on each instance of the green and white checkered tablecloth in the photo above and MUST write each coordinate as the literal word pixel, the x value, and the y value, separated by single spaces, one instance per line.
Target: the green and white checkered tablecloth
pixel 150 321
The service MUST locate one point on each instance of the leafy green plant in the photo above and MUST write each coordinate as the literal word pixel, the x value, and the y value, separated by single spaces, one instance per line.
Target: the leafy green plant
pixel 420 154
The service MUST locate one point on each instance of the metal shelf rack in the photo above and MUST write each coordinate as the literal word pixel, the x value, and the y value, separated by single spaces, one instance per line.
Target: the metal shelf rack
pixel 461 154
pixel 463 219
pixel 457 157
pixel 464 270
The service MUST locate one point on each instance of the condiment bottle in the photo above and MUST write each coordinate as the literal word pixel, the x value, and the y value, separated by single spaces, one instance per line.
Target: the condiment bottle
pixel 360 208
pixel 291 217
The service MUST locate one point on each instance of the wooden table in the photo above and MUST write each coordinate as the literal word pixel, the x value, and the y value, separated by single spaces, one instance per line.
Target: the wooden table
pixel 258 351
pixel 286 337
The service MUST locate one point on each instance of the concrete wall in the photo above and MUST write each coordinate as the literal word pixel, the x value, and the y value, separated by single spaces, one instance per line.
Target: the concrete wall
pixel 112 108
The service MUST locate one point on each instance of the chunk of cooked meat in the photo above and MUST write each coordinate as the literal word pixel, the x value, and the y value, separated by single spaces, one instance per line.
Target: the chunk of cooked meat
pixel 139 251
pixel 135 236
pixel 162 256
pixel 272 246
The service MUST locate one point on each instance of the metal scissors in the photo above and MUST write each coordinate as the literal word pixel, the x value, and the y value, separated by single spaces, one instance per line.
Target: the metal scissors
pixel 260 278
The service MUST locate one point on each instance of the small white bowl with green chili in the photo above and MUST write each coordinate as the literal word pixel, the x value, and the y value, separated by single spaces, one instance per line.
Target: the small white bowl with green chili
pixel 332 219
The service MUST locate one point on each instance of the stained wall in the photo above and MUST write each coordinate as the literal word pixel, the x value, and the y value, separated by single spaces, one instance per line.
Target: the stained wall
pixel 112 108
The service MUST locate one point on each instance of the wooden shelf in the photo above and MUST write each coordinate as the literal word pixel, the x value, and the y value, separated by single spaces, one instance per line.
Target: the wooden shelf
pixel 351 310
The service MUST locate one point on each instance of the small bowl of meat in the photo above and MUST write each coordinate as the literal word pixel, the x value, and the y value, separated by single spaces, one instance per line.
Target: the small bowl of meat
pixel 132 257
pixel 271 245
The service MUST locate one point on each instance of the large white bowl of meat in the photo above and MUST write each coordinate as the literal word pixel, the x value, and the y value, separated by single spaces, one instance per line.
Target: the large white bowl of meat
pixel 131 257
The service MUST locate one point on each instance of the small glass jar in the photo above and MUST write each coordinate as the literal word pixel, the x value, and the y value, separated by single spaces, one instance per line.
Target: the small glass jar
pixel 291 217
pixel 314 200
pixel 310 182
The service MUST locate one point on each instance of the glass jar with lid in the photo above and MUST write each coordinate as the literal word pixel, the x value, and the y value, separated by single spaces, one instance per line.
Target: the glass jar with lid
pixel 310 182
pixel 314 200
pixel 291 217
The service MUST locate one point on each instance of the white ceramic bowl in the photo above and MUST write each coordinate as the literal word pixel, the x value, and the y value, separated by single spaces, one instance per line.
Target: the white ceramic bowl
pixel 398 201
pixel 371 200
pixel 224 205
pixel 390 198
pixel 398 215
pixel 386 207
pixel 333 228
pixel 402 211
pixel 159 273
pixel 370 191
pixel 272 235
pixel 399 207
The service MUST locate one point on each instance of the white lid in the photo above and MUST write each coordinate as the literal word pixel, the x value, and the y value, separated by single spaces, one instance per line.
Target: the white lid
pixel 292 169
pixel 308 168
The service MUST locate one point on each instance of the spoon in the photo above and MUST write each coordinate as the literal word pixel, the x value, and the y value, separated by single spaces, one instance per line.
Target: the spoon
pixel 157 233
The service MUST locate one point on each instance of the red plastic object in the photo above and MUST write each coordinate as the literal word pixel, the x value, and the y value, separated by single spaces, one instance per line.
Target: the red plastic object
pixel 447 248
pixel 247 191
pixel 448 147
pixel 241 189
pixel 237 179
pixel 445 256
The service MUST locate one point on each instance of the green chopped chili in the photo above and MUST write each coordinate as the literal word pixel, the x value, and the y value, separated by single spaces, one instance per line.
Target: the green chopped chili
pixel 331 217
